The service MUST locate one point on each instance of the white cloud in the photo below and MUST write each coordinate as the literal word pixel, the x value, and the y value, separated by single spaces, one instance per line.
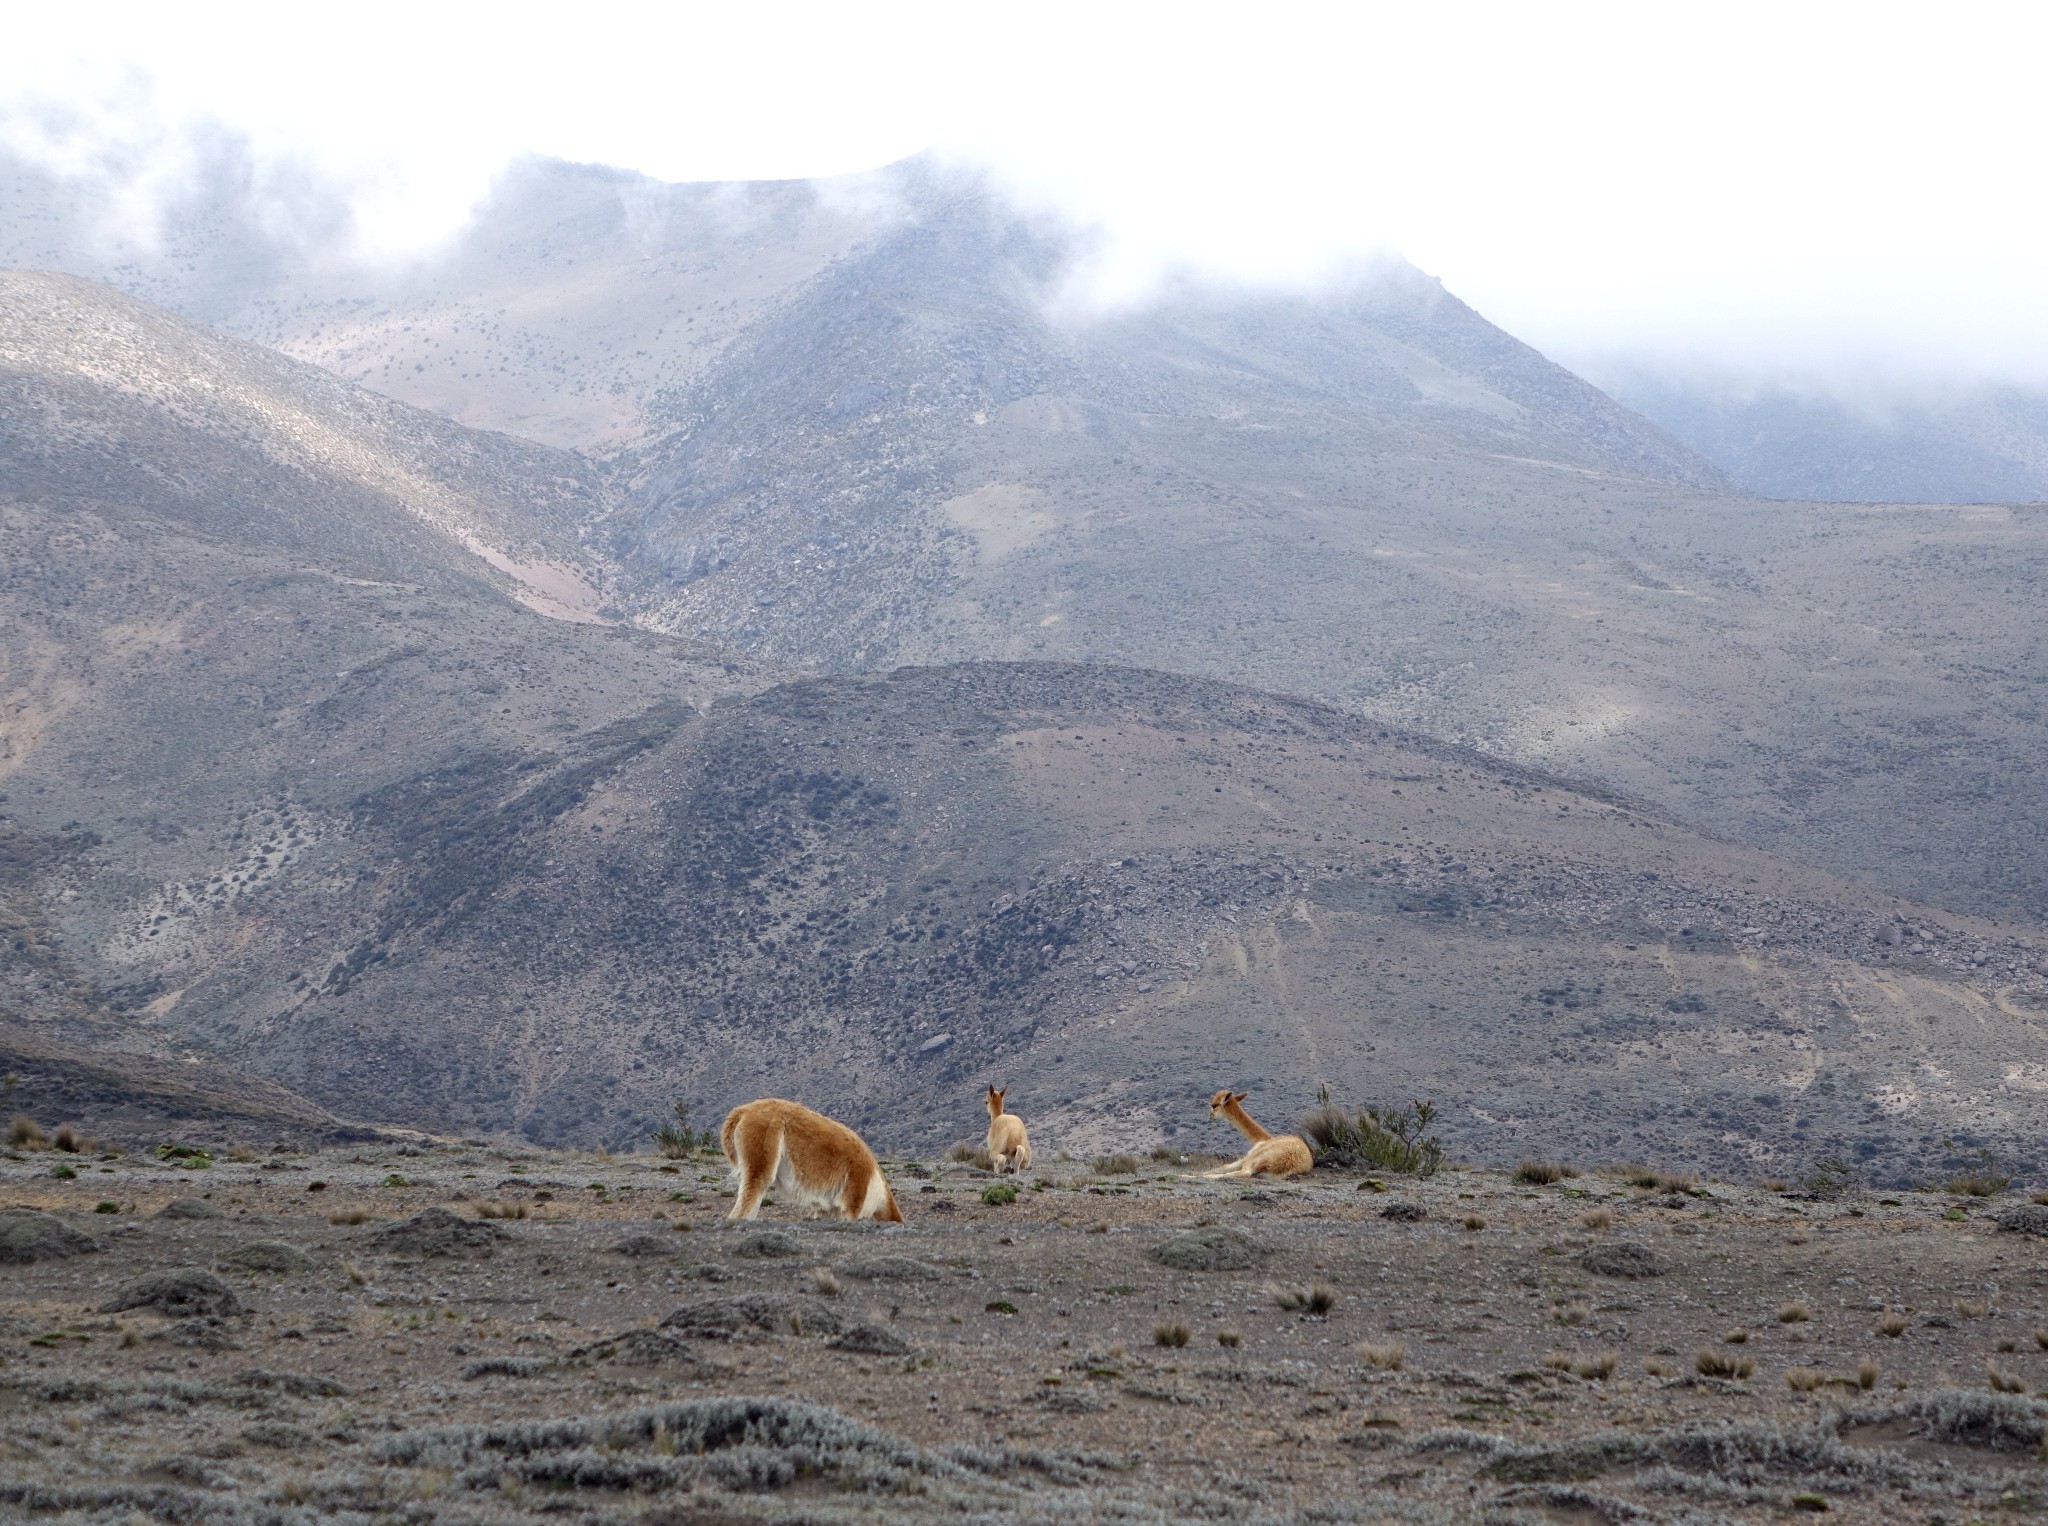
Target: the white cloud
pixel 1821 186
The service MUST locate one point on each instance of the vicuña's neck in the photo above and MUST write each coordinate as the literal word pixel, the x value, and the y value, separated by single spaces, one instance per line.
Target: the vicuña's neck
pixel 995 1108
pixel 1247 1123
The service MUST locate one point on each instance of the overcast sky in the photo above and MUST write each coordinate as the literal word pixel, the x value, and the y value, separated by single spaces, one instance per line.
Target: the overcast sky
pixel 1842 189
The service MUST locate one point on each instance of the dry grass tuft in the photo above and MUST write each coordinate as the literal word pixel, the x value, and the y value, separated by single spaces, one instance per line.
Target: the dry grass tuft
pixel 1318 1298
pixel 2001 1382
pixel 1657 1367
pixel 1970 1308
pixel 1794 1313
pixel 1736 1338
pixel 1557 1361
pixel 1773 1184
pixel 1599 1219
pixel 1866 1374
pixel 968 1153
pixel 1474 1222
pixel 350 1216
pixel 1709 1363
pixel 1893 1324
pixel 824 1282
pixel 1649 1179
pixel 1387 1358
pixel 497 1210
pixel 2005 1343
pixel 355 1273
pixel 24 1133
pixel 1804 1380
pixel 1116 1165
pixel 71 1142
pixel 242 1155
pixel 2041 1339
pixel 1597 1367
pixel 1229 1339
pixel 2041 1198
pixel 1543 1173
pixel 1173 1335
pixel 1573 1311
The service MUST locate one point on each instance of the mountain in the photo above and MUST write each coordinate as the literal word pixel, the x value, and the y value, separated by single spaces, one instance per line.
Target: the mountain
pixel 416 853
pixel 1977 444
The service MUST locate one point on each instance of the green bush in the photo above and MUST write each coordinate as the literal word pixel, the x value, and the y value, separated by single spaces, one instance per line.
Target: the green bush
pixel 1380 1138
pixel 677 1139
pixel 995 1194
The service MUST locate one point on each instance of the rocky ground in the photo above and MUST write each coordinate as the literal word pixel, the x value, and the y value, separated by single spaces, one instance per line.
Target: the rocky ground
pixel 452 1332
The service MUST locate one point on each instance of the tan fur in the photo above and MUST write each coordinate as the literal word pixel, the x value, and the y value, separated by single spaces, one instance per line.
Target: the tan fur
pixel 1286 1155
pixel 1009 1146
pixel 814 1159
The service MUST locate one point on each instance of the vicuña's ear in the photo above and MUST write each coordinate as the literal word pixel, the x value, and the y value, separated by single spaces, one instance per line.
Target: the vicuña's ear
pixel 1239 1096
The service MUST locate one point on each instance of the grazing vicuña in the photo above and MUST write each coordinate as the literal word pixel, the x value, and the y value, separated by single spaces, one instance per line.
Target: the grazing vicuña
pixel 817 1161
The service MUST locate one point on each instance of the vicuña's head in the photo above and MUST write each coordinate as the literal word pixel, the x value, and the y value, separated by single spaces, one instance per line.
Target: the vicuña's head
pixel 995 1100
pixel 1224 1101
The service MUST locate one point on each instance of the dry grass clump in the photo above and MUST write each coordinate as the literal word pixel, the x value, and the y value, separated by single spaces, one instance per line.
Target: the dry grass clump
pixel 1543 1173
pixel 1794 1313
pixel 24 1133
pixel 1657 1367
pixel 2041 1198
pixel 1229 1339
pixel 71 1142
pixel 824 1282
pixel 2041 1339
pixel 1474 1222
pixel 1572 1311
pixel 968 1153
pixel 1166 1155
pixel 242 1154
pixel 1557 1361
pixel 1597 1367
pixel 2002 1382
pixel 1893 1324
pixel 1709 1363
pixel 1804 1380
pixel 1386 1358
pixel 1318 1298
pixel 1866 1374
pixel 1774 1184
pixel 350 1216
pixel 1599 1219
pixel 1115 1165
pixel 1172 1335
pixel 1971 1308
pixel 497 1210
pixel 1736 1338
pixel 1649 1179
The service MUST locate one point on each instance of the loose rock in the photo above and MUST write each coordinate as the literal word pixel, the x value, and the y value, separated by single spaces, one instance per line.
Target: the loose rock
pixel 1624 1258
pixel 181 1293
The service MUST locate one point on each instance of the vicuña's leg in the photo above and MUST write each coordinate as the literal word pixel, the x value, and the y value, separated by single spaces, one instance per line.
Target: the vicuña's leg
pixel 1240 1167
pixel 757 1148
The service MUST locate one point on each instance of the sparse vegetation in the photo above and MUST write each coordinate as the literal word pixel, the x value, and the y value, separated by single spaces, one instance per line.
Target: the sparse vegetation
pixel 2002 1382
pixel 1173 1336
pixel 1599 1220
pixel 678 1139
pixel 998 1194
pixel 1709 1363
pixel 1229 1339
pixel 969 1153
pixel 24 1133
pixel 1866 1374
pixel 1794 1312
pixel 1115 1165
pixel 1982 1178
pixel 1378 1138
pixel 1597 1367
pixel 1893 1324
pixel 1572 1311
pixel 1474 1222
pixel 1317 1299
pixel 1386 1357
pixel 1831 1177
pixel 1736 1338
pixel 1971 1308
pixel 1804 1380
pixel 824 1282
pixel 1542 1173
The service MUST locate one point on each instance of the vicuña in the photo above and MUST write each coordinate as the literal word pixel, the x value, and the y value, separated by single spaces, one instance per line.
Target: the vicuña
pixel 1285 1156
pixel 816 1160
pixel 1008 1145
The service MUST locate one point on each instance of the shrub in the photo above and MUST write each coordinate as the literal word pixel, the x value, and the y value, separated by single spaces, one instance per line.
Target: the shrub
pixel 1387 1358
pixel 1318 1298
pixel 1831 1177
pixel 1601 1366
pixel 1982 1179
pixel 1165 1154
pixel 996 1194
pixel 1229 1339
pixel 190 1157
pixel 1893 1324
pixel 106 1207
pixel 1599 1219
pixel 66 1172
pixel 677 1140
pixel 1573 1311
pixel 1474 1222
pixel 1542 1173
pixel 1379 1138
pixel 1116 1165
pixel 1794 1313
pixel 968 1153
pixel 823 1282
pixel 1866 1374
pixel 2001 1382
pixel 24 1133
pixel 1719 1364
pixel 1173 1336
pixel 1804 1380
pixel 69 1140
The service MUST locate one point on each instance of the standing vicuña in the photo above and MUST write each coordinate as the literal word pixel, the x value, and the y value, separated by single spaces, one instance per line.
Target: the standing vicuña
pixel 1268 1156
pixel 1009 1147
pixel 817 1161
